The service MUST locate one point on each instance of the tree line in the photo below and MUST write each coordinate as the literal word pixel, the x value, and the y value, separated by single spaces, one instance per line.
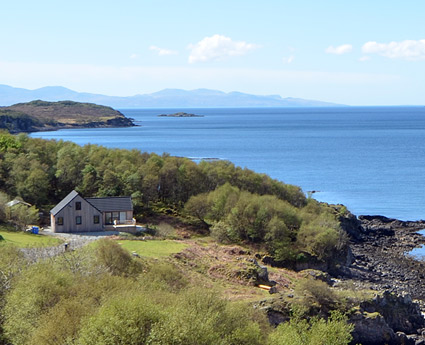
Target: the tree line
pixel 42 172
pixel 235 204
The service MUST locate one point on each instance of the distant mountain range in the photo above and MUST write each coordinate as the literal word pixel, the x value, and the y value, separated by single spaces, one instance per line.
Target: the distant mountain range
pixel 168 98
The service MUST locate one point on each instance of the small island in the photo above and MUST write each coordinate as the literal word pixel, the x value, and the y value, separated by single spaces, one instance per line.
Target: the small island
pixel 180 114
pixel 44 116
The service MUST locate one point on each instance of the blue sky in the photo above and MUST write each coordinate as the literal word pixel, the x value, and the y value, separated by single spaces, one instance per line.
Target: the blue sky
pixel 351 52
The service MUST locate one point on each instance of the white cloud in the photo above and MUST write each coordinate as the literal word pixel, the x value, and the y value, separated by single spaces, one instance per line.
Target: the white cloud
pixel 163 52
pixel 134 56
pixel 288 59
pixel 218 47
pixel 339 50
pixel 409 49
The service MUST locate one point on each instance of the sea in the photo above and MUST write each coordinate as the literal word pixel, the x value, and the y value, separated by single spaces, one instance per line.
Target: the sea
pixel 371 159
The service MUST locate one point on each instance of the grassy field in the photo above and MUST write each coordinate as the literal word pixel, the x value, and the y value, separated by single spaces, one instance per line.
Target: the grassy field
pixel 153 249
pixel 23 239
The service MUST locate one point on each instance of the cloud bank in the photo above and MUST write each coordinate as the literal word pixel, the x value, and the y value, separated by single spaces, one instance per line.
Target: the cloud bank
pixel 408 50
pixel 218 47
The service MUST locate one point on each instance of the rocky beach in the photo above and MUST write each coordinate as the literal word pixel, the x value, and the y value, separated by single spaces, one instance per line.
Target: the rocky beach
pixel 379 261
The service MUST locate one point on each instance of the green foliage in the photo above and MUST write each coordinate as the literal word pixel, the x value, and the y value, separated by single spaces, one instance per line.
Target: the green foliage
pixel 8 141
pixel 322 236
pixel 38 289
pixel 317 294
pixel 22 216
pixel 122 320
pixel 61 323
pixel 201 317
pixel 165 275
pixel 335 331
pixel 115 259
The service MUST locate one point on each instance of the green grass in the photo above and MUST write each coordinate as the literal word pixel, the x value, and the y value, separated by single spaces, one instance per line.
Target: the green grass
pixel 23 239
pixel 153 249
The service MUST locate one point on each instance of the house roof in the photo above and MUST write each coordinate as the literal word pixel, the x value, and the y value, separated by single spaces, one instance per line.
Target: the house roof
pixel 112 203
pixel 65 201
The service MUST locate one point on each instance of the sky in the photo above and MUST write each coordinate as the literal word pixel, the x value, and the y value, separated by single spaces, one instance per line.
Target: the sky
pixel 349 52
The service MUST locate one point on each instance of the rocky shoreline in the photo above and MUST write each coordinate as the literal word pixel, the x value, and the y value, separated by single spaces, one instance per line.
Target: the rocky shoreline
pixel 379 258
pixel 378 249
pixel 375 263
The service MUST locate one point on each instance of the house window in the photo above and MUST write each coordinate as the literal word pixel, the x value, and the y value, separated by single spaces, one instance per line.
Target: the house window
pixel 78 205
pixel 59 221
pixel 111 216
pixel 78 220
pixel 96 219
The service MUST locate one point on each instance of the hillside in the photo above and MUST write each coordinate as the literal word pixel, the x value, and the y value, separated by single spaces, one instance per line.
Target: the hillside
pixel 40 115
pixel 226 254
pixel 162 99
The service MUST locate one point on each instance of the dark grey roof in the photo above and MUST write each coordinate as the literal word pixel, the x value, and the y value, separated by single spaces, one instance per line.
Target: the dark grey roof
pixel 112 203
pixel 65 201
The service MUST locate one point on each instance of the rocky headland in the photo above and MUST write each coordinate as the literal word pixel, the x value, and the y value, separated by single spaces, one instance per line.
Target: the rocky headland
pixel 44 116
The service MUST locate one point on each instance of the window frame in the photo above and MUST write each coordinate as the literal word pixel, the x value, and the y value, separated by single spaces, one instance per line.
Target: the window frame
pixel 78 220
pixel 96 219
pixel 78 205
pixel 59 221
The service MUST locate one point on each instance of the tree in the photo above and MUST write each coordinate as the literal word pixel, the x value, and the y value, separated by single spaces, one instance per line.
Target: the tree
pixel 22 216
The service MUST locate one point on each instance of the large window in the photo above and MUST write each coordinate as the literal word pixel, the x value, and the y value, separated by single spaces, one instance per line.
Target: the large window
pixel 59 221
pixel 96 219
pixel 111 216
pixel 78 205
pixel 78 220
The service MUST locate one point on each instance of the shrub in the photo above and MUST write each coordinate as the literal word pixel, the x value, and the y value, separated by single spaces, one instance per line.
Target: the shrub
pixel 37 290
pixel 335 331
pixel 316 293
pixel 201 317
pixel 115 259
pixel 165 275
pixel 321 237
pixel 122 320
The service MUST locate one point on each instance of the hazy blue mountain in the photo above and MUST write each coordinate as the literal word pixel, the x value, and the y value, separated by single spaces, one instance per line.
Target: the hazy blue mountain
pixel 162 99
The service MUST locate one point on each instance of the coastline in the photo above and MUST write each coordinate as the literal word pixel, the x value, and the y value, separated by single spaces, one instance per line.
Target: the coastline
pixel 91 125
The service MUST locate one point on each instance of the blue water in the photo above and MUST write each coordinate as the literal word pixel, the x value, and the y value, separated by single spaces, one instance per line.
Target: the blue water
pixel 372 159
pixel 419 253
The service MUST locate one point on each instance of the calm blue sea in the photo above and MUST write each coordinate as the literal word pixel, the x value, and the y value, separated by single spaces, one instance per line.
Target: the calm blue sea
pixel 372 159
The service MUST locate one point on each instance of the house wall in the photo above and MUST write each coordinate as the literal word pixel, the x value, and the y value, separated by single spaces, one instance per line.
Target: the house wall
pixel 69 214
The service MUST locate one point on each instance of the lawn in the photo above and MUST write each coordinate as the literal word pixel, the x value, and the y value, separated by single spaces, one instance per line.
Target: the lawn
pixel 24 239
pixel 153 249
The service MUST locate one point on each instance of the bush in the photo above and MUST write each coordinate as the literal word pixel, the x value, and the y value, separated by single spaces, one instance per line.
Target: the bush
pixel 335 331
pixel 316 293
pixel 122 320
pixel 201 317
pixel 322 237
pixel 166 276
pixel 115 259
pixel 38 289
